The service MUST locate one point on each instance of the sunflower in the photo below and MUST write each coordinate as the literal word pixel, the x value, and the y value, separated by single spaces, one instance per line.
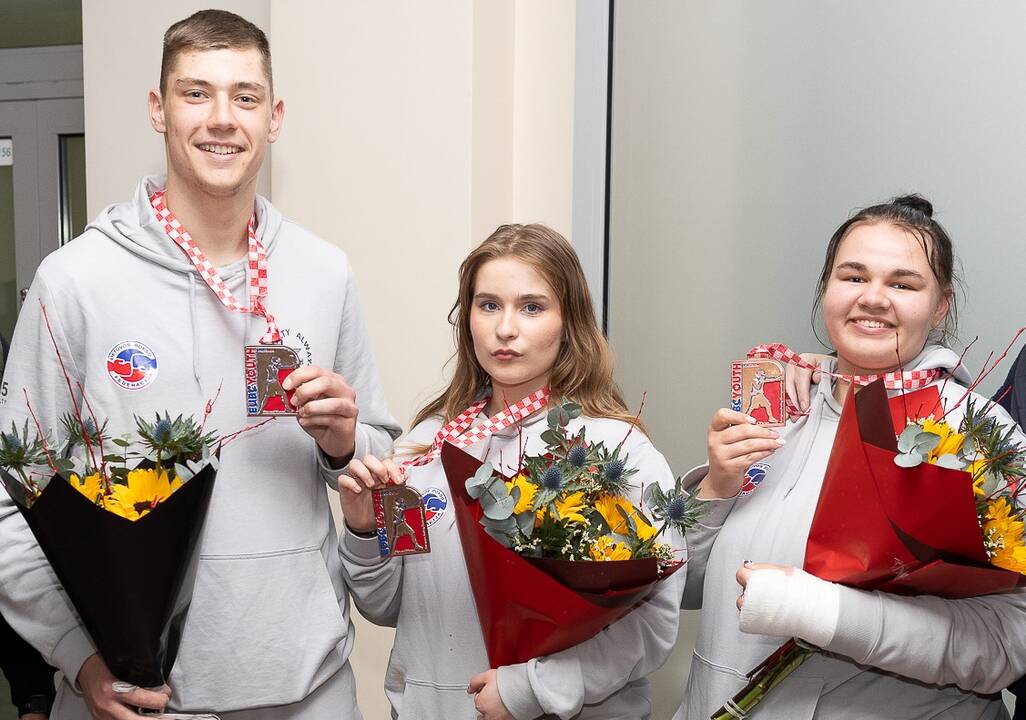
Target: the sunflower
pixel 570 507
pixel 146 488
pixel 607 507
pixel 950 441
pixel 91 486
pixel 606 548
pixel 527 492
pixel 977 469
pixel 1002 536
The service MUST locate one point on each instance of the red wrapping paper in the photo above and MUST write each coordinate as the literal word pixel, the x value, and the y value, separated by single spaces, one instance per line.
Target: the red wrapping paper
pixel 530 607
pixel 909 531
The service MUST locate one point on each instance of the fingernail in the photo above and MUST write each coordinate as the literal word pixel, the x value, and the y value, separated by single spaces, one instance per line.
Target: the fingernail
pixel 780 442
pixel 750 419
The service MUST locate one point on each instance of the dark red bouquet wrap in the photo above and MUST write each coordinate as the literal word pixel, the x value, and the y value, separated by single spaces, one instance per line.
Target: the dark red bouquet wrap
pixel 878 526
pixel 530 607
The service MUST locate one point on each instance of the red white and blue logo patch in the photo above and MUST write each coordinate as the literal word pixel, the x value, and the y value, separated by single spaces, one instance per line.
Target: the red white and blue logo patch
pixel 754 477
pixel 132 365
pixel 435 503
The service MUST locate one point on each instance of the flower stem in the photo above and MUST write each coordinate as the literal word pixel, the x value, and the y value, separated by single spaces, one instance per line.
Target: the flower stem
pixel 773 670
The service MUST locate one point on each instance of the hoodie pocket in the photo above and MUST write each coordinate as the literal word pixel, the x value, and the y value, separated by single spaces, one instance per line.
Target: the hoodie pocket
pixel 262 630
pixel 425 700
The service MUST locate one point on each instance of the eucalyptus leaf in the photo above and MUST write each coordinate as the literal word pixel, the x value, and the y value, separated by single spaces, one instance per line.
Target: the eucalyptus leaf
pixel 573 410
pixel 525 522
pixel 908 460
pixel 551 437
pixel 927 441
pixel 950 461
pixel 552 418
pixel 907 439
pixel 501 509
pixel 120 442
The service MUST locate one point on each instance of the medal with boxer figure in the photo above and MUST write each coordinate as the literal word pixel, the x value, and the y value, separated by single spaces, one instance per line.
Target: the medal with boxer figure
pixel 757 389
pixel 265 365
pixel 400 521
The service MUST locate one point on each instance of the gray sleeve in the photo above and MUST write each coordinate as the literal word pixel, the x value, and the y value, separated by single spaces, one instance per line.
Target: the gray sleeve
pixel 701 537
pixel 354 360
pixel 972 643
pixel 31 598
pixel 374 582
pixel 629 649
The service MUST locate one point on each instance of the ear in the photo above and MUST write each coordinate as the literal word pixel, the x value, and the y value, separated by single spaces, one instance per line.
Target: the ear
pixel 156 104
pixel 277 117
pixel 941 312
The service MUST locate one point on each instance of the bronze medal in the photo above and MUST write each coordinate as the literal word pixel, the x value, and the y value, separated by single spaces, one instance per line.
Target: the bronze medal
pixel 400 521
pixel 266 368
pixel 757 389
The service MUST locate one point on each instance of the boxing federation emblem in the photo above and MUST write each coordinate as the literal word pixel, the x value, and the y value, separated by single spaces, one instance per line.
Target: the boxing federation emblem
pixel 435 503
pixel 132 365
pixel 757 389
pixel 267 366
pixel 754 477
pixel 400 521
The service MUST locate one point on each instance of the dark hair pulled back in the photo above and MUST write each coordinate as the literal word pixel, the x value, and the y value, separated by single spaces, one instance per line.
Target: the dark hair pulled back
pixel 912 213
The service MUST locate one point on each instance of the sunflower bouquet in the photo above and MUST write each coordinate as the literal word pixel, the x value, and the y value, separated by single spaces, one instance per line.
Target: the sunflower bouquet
pixel 571 502
pixel 559 550
pixel 128 476
pixel 910 505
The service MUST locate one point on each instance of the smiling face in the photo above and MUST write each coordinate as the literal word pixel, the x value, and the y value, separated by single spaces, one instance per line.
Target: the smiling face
pixel 217 115
pixel 882 299
pixel 517 327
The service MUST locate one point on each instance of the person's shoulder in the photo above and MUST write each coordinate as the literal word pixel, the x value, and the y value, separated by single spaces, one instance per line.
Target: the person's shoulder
pixel 85 257
pixel 311 245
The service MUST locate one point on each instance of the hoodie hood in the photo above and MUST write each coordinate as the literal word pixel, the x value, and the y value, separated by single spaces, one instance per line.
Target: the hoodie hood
pixel 135 227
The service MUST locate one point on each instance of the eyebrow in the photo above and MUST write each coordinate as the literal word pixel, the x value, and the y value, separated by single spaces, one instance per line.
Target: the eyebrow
pixel 196 82
pixel 529 297
pixel 899 272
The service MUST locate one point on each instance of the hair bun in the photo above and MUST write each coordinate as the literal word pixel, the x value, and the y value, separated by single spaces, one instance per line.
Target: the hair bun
pixel 915 202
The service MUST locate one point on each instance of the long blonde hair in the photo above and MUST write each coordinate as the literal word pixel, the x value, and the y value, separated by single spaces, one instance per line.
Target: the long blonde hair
pixel 583 371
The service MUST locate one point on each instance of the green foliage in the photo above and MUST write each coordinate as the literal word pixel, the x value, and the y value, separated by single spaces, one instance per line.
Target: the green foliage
pixel 179 439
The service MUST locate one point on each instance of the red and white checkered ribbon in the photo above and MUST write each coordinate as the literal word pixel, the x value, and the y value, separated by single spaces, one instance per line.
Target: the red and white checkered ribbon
pixel 454 430
pixel 894 380
pixel 257 268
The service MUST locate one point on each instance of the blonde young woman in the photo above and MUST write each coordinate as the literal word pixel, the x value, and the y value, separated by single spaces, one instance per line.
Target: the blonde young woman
pixel 523 321
pixel 886 290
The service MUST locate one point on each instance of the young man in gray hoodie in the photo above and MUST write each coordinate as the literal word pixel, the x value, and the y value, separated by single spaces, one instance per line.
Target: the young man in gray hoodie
pixel 143 328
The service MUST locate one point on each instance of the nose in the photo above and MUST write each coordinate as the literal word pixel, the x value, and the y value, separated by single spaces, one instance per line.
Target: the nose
pixel 874 295
pixel 222 115
pixel 507 327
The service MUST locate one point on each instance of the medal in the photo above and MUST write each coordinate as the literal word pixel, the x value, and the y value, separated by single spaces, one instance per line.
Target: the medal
pixel 757 389
pixel 267 364
pixel 400 521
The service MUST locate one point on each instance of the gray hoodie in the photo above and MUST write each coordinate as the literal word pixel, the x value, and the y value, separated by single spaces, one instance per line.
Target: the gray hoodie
pixel 891 657
pixel 270 620
pixel 438 643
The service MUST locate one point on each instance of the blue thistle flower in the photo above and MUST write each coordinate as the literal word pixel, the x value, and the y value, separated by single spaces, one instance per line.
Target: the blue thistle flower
pixel 577 456
pixel 677 508
pixel 162 430
pixel 13 442
pixel 614 470
pixel 89 427
pixel 552 479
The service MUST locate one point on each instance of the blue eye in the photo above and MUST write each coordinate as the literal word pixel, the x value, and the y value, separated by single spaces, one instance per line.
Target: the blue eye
pixel 489 306
pixel 532 308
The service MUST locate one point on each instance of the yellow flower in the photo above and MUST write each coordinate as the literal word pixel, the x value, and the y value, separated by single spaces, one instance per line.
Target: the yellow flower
pixel 977 469
pixel 527 492
pixel 90 486
pixel 607 507
pixel 606 548
pixel 145 490
pixel 570 507
pixel 950 441
pixel 1002 534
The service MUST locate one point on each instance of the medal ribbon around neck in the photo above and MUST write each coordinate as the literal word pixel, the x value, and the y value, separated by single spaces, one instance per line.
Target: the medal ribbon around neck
pixel 454 430
pixel 257 268
pixel 894 380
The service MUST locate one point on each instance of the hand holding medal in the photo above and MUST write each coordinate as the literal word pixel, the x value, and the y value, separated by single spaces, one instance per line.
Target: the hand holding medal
pixel 326 407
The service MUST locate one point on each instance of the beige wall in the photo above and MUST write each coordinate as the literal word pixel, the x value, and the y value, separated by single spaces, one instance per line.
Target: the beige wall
pixel 411 131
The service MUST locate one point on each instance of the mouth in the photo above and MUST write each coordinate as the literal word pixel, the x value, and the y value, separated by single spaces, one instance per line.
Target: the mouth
pixel 220 149
pixel 872 325
pixel 505 354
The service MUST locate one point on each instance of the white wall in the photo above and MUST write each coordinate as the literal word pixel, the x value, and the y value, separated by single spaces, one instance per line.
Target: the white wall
pixel 411 131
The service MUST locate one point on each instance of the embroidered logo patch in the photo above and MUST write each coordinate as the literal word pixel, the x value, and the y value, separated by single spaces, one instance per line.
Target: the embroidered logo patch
pixel 132 365
pixel 754 477
pixel 435 503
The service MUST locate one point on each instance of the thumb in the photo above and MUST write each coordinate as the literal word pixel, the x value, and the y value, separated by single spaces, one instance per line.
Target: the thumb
pixel 477 684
